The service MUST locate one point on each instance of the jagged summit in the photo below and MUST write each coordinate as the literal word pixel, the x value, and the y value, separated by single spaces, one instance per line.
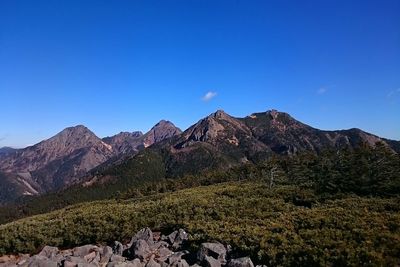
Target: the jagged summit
pixel 162 130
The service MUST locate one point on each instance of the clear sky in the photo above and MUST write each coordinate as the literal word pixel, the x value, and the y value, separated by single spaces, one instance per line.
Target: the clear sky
pixel 124 65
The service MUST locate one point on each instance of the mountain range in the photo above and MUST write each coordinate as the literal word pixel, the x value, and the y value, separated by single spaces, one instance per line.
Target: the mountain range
pixel 76 156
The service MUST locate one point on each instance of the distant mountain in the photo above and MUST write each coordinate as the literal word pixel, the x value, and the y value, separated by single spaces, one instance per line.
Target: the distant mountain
pixel 161 131
pixel 129 143
pixel 217 142
pixel 6 151
pixel 56 162
pixel 66 158
pixel 125 142
pixel 220 141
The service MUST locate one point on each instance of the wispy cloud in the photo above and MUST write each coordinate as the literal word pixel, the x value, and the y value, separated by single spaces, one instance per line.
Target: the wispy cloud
pixel 209 95
pixel 322 90
pixel 393 93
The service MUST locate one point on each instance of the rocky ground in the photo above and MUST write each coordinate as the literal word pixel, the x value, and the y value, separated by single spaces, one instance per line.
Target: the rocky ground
pixel 146 249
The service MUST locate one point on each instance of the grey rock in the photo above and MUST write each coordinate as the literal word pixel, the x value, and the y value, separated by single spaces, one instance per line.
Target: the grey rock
pixel 140 249
pixel 158 245
pixel 135 263
pixel 92 264
pixel 49 252
pixel 69 264
pixel 93 256
pixel 241 262
pixel 177 256
pixel 163 254
pixel 105 255
pixel 84 250
pixel 144 234
pixel 180 263
pixel 40 261
pixel 152 263
pixel 211 262
pixel 75 260
pixel 123 264
pixel 117 258
pixel 216 250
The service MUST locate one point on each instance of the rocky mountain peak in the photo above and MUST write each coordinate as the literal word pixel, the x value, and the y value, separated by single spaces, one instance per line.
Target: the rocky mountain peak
pixel 162 130
pixel 219 114
pixel 273 113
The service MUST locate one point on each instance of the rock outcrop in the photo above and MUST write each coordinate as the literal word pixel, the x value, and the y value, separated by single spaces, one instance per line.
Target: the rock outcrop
pixel 144 250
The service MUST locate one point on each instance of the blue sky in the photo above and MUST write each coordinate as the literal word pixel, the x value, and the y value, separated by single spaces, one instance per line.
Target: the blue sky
pixel 124 65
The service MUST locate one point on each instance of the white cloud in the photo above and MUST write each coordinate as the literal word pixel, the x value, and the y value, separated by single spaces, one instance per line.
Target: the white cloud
pixel 322 90
pixel 393 92
pixel 210 95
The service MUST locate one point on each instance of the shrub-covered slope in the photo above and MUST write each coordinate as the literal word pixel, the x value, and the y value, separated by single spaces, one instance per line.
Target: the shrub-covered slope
pixel 265 223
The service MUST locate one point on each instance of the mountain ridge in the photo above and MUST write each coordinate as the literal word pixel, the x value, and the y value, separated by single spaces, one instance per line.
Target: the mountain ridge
pixel 217 141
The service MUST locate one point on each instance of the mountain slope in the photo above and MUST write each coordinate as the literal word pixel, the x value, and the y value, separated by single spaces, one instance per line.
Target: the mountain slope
pixel 221 141
pixel 4 151
pixel 58 161
pixel 216 142
pixel 67 157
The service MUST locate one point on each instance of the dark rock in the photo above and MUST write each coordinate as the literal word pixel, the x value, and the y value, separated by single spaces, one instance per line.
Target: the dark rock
pixel 216 250
pixel 177 238
pixel 211 262
pixel 118 248
pixel 241 262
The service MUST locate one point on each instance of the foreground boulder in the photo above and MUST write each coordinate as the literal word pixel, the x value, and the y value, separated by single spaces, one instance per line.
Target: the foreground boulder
pixel 142 251
pixel 241 262
pixel 215 250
